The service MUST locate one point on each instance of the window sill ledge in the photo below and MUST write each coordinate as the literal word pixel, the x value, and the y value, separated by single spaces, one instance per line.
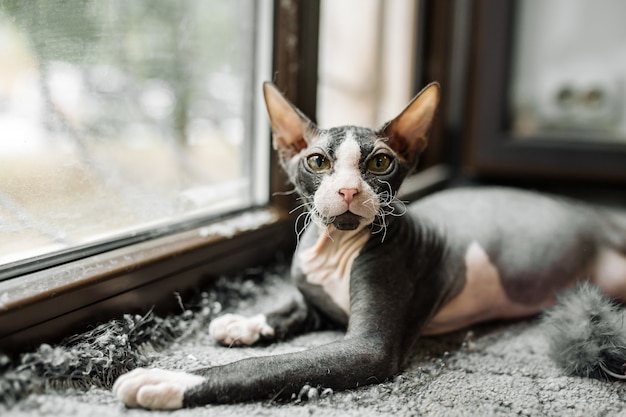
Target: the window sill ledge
pixel 47 305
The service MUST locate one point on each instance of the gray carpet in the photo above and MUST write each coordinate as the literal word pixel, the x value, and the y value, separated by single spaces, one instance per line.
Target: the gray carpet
pixel 492 370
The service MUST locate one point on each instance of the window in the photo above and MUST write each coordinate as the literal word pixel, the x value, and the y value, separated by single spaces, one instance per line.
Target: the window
pixel 540 109
pixel 133 140
pixel 374 81
pixel 123 120
pixel 567 81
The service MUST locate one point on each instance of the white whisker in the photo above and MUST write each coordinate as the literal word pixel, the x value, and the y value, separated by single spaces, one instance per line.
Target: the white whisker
pixel 303 218
pixel 303 205
pixel 289 192
pixel 389 205
pixel 307 220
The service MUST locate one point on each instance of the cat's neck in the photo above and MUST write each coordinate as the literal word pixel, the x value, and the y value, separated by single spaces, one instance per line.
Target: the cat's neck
pixel 330 235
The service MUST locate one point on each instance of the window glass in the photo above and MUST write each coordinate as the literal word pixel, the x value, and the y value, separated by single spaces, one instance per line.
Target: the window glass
pixel 119 118
pixel 568 70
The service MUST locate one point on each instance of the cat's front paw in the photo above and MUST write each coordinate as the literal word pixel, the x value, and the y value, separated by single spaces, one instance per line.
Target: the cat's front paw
pixel 236 330
pixel 154 389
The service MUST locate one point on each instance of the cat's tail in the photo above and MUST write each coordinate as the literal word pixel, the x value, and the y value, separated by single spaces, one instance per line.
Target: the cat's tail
pixel 587 334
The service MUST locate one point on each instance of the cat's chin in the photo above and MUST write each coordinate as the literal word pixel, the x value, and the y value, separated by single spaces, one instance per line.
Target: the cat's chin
pixel 347 221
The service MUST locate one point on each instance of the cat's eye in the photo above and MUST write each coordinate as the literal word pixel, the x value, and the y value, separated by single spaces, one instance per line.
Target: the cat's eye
pixel 379 163
pixel 318 162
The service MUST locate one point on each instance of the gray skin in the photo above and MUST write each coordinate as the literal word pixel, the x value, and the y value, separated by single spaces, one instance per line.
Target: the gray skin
pixel 540 252
pixel 397 285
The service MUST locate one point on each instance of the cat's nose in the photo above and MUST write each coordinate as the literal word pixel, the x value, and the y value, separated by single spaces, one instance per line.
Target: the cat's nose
pixel 348 194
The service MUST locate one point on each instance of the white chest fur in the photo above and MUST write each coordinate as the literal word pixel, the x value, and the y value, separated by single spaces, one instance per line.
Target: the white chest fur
pixel 328 263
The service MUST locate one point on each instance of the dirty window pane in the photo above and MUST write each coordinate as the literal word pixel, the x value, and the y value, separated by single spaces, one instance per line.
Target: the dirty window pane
pixel 118 117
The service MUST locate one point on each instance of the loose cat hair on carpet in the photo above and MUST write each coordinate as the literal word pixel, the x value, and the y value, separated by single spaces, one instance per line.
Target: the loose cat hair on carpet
pixel 587 334
pixel 98 356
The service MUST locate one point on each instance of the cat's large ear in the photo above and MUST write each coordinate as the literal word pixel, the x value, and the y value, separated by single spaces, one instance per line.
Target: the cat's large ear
pixel 289 126
pixel 407 133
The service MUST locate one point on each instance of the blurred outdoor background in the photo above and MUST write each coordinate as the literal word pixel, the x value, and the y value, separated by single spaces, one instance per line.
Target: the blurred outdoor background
pixel 119 115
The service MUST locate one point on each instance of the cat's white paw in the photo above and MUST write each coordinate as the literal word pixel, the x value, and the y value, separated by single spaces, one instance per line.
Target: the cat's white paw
pixel 235 330
pixel 154 389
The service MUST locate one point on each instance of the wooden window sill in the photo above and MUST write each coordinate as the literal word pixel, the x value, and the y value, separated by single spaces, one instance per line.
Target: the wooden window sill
pixel 47 305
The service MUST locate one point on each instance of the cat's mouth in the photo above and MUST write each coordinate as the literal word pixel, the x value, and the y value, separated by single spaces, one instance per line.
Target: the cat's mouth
pixel 347 221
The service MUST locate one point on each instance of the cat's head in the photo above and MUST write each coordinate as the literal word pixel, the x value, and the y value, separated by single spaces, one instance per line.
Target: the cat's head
pixel 348 176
